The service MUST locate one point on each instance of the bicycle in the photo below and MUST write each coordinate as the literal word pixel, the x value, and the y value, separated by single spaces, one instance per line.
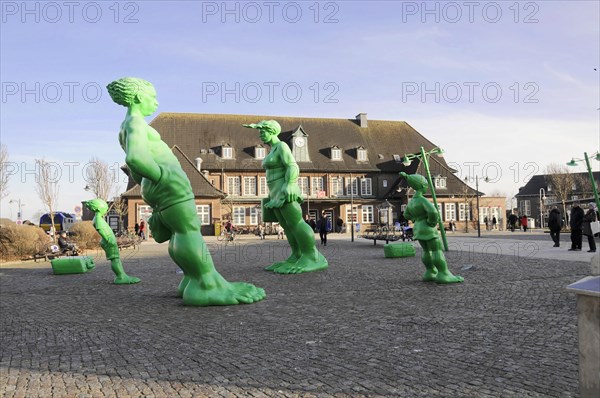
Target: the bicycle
pixel 226 236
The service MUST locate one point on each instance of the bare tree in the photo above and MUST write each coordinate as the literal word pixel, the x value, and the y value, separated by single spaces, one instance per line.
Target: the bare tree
pixel 119 205
pixel 100 180
pixel 561 182
pixel 47 187
pixel 467 195
pixel 3 172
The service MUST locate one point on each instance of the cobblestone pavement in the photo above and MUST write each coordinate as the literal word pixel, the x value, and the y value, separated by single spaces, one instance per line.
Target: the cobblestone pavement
pixel 365 327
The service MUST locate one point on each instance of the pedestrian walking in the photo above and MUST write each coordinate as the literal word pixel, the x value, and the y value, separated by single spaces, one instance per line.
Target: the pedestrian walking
pixel 487 223
pixel 136 228
pixel 494 222
pixel 323 227
pixel 524 223
pixel 590 217
pixel 512 222
pixel 339 224
pixel 261 231
pixel 142 232
pixel 576 223
pixel 555 224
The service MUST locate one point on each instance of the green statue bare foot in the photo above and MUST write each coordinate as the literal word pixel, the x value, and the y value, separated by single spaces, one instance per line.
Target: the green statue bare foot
pixel 290 260
pixel 214 290
pixel 304 264
pixel 430 275
pixel 447 277
pixel 126 280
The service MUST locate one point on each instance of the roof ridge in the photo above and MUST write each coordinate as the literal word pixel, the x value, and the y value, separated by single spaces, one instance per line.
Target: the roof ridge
pixel 229 115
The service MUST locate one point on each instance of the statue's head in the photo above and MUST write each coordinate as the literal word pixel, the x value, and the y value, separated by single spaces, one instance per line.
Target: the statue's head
pixel 98 206
pixel 416 181
pixel 131 91
pixel 268 129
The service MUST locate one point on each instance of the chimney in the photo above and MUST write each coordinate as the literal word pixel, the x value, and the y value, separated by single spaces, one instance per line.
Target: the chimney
pixel 361 118
pixel 198 163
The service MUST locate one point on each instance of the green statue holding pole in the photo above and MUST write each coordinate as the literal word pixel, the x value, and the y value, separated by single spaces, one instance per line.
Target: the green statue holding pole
pixel 166 188
pixel 425 218
pixel 283 204
pixel 109 241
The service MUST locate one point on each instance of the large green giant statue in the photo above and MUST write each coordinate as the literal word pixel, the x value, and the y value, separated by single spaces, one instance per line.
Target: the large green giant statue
pixel 166 188
pixel 424 215
pixel 283 204
pixel 109 241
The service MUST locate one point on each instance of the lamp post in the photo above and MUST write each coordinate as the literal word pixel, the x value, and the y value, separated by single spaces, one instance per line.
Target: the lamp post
pixel 351 208
pixel 424 156
pixel 596 156
pixel 477 195
pixel 19 213
pixel 542 207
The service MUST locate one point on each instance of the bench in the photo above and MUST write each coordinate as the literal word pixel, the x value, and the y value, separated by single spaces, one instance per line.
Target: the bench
pixel 381 234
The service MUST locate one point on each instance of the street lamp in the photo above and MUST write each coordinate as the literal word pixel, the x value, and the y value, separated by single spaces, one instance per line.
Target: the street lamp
pixel 596 156
pixel 19 213
pixel 542 207
pixel 477 194
pixel 351 208
pixel 424 156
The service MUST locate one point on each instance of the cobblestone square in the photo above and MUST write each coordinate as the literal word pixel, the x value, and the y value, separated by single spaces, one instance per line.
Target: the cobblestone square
pixel 366 327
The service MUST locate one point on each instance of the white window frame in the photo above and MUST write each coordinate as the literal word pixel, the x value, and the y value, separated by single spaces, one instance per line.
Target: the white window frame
pixel 337 186
pixel 144 213
pixel 366 186
pixel 463 212
pixel 260 152
pixel 254 212
pixel 351 186
pixel 263 188
pixel 234 187
pixel 316 185
pixel 336 154
pixel 361 155
pixel 303 184
pixel 440 182
pixel 384 183
pixel 249 186
pixel 349 215
pixel 450 211
pixel 524 207
pixel 203 212
pixel 239 215
pixel 367 214
pixel 227 152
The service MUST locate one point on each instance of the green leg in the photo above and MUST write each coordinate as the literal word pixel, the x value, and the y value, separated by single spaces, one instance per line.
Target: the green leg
pixel 295 255
pixel 430 270
pixel 438 260
pixel 121 277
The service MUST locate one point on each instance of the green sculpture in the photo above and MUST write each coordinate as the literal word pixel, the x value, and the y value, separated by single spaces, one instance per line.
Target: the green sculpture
pixel 109 241
pixel 424 215
pixel 283 204
pixel 166 188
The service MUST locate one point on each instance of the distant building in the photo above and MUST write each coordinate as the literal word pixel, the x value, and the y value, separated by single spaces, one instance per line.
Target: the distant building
pixel 348 168
pixel 530 199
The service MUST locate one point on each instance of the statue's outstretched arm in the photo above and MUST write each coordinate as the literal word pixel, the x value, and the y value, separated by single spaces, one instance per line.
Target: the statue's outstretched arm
pixel 138 156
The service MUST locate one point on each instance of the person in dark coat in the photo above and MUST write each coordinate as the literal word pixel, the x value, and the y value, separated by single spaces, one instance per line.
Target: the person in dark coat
pixel 323 226
pixel 512 222
pixel 576 223
pixel 588 219
pixel 339 224
pixel 555 224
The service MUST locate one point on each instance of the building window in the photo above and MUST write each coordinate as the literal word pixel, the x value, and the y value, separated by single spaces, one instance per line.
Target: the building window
pixel 249 186
pixel 361 155
pixel 336 154
pixel 366 187
pixel 367 214
pixel 316 185
pixel 254 211
pixel 233 186
pixel 351 217
pixel 549 188
pixel 227 152
pixel 463 212
pixel 303 184
pixel 397 158
pixel 239 216
pixel 524 207
pixel 144 212
pixel 384 182
pixel 263 188
pixel 337 186
pixel 450 211
pixel 351 186
pixel 483 214
pixel 203 212
pixel 574 187
pixel 439 182
pixel 259 152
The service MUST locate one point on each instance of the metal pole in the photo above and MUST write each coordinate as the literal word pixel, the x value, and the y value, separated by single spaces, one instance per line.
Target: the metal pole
pixel 431 187
pixel 542 207
pixel 351 210
pixel 594 187
pixel 478 215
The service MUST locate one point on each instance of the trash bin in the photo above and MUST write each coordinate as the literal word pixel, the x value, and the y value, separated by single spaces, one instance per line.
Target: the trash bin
pixel 217 229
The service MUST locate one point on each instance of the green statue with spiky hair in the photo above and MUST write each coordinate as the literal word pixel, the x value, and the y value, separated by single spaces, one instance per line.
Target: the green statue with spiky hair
pixel 167 189
pixel 283 204
pixel 109 241
pixel 424 215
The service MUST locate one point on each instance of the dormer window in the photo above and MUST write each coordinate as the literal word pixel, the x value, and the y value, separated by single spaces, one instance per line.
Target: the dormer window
pixel 361 154
pixel 397 158
pixel 260 152
pixel 439 182
pixel 336 153
pixel 227 152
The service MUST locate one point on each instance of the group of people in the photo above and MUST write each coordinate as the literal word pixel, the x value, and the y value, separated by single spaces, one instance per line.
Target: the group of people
pixel 490 225
pixel 581 224
pixel 513 220
pixel 323 226
pixel 140 229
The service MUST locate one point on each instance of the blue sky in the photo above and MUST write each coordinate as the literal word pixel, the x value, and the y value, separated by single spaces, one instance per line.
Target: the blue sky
pixel 507 87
